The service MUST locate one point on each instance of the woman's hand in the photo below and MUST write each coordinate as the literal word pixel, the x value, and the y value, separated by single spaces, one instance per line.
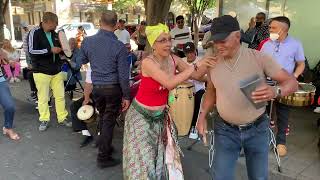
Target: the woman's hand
pixel 208 61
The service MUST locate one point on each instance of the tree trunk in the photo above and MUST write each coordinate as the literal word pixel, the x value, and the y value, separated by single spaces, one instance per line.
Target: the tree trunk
pixel 197 23
pixel 1 21
pixel 156 10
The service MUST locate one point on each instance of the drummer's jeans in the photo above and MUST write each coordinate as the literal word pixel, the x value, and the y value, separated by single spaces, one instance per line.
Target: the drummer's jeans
pixel 228 144
pixel 108 103
pixel 282 122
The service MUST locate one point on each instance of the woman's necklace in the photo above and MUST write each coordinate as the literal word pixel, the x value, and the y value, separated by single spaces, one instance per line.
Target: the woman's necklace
pixel 235 66
pixel 163 66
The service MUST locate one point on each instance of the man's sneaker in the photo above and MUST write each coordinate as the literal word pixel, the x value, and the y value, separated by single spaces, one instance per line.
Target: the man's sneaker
pixel 282 150
pixel 109 163
pixel 193 133
pixel 43 126
pixel 34 96
pixel 87 140
pixel 66 123
pixel 317 110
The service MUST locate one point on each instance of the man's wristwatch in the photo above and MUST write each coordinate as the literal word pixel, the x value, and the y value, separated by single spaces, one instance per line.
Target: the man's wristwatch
pixel 278 91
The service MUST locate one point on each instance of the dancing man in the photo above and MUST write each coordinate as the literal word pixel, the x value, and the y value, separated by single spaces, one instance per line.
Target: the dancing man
pixel 240 123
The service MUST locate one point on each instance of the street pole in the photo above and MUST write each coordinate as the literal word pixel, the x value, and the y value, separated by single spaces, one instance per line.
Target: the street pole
pixel 11 21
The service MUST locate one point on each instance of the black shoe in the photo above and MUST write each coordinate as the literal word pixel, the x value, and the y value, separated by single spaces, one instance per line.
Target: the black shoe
pixel 109 163
pixel 87 140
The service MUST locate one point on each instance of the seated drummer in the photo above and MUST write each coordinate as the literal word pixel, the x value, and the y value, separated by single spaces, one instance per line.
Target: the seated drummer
pixel 189 50
pixel 77 124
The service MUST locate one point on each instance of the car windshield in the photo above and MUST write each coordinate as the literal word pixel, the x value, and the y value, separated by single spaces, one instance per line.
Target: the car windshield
pixel 65 26
pixel 75 26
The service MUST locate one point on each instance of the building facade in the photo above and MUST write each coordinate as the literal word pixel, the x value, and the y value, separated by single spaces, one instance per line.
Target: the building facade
pixel 303 15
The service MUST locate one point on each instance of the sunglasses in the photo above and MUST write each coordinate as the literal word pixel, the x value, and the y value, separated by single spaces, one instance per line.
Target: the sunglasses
pixel 164 40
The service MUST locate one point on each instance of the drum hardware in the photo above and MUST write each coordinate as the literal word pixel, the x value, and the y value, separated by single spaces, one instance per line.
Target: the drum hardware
pixel 273 142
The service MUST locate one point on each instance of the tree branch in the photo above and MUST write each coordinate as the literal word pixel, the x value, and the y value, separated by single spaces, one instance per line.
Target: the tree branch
pixel 5 4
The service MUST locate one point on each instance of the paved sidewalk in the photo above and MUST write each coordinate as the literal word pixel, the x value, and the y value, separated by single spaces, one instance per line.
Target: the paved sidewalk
pixel 55 154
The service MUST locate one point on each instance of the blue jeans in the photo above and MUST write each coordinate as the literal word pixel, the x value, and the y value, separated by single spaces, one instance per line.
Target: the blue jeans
pixel 228 143
pixel 8 105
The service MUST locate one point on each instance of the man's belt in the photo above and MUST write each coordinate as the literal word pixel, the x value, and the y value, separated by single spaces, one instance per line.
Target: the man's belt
pixel 247 126
pixel 106 86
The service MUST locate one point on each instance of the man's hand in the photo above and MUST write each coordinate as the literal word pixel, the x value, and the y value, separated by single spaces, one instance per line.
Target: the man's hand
pixel 125 104
pixel 202 124
pixel 252 23
pixel 263 94
pixel 86 101
pixel 56 50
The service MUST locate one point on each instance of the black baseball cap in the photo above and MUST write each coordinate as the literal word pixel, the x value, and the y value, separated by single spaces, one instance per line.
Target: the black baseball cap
pixel 189 47
pixel 122 21
pixel 222 26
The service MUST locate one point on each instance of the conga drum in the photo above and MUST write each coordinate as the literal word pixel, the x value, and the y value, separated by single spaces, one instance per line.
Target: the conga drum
pixel 88 115
pixel 64 44
pixel 181 106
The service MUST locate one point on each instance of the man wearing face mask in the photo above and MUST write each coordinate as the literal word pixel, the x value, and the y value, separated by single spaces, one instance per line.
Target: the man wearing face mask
pixel 258 30
pixel 288 52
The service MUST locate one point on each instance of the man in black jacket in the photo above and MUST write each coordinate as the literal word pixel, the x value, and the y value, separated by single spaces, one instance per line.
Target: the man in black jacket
pixel 44 49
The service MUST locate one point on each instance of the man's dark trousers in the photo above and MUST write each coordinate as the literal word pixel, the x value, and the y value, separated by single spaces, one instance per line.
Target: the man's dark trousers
pixel 108 100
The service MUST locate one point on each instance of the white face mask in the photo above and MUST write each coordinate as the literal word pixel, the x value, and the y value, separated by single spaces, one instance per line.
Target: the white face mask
pixel 274 36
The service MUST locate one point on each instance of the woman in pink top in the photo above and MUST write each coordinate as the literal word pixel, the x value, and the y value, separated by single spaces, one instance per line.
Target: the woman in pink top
pixel 150 148
pixel 12 57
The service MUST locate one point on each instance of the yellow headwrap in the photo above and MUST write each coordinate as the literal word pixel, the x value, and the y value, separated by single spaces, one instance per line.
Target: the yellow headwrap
pixel 153 32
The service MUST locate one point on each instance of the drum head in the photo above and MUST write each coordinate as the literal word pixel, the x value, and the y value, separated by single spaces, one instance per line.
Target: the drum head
pixel 305 87
pixel 65 44
pixel 85 112
pixel 185 85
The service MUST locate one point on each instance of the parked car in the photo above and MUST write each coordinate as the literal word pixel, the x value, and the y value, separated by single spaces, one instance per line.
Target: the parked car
pixel 71 30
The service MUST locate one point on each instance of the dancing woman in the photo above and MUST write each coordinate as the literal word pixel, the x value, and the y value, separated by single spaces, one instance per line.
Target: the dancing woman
pixel 150 149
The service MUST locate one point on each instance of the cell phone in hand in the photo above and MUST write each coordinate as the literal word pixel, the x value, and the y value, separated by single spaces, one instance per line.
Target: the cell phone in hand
pixel 249 85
